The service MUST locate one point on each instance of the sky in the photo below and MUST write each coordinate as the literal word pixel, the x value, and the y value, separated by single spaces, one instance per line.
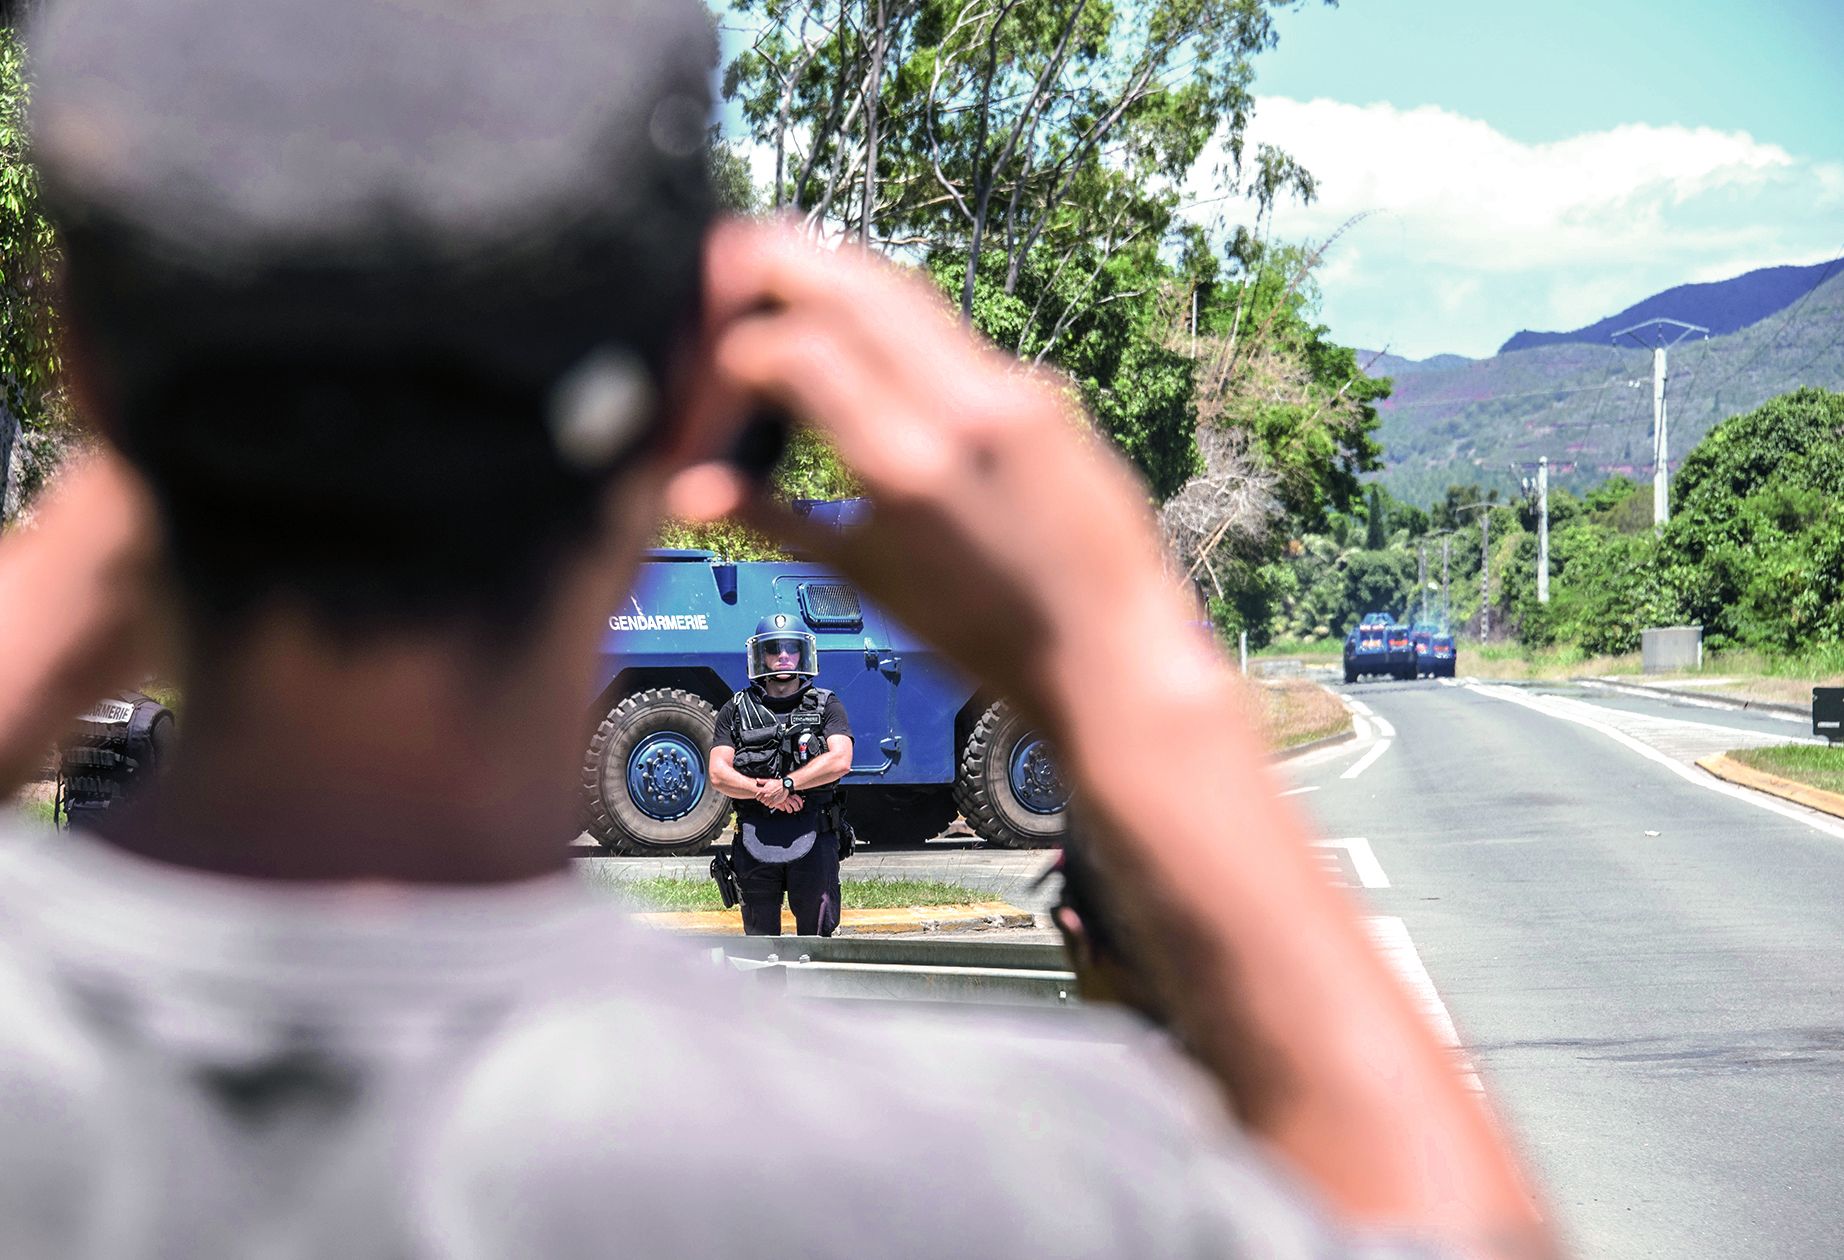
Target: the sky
pixel 1498 166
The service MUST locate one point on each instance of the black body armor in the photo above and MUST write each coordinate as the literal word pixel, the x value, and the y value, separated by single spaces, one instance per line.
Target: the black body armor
pixel 770 745
pixel 116 745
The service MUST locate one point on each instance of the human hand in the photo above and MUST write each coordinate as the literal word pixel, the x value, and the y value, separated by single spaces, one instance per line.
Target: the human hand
pixel 1003 523
pixel 770 793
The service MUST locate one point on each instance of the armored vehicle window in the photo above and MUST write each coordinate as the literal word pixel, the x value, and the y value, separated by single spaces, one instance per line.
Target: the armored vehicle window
pixel 830 604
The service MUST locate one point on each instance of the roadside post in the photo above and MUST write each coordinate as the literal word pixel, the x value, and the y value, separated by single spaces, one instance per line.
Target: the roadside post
pixel 1828 713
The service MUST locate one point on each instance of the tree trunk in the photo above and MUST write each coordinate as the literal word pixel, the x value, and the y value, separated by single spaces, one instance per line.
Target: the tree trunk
pixel 870 127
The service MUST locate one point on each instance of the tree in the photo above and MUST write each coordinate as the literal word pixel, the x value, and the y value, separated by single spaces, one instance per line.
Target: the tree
pixel 1012 126
pixel 1755 547
pixel 1095 329
pixel 28 261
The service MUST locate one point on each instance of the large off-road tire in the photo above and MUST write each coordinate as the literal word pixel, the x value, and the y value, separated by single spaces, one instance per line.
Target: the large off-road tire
pixel 908 814
pixel 1350 675
pixel 646 780
pixel 1008 788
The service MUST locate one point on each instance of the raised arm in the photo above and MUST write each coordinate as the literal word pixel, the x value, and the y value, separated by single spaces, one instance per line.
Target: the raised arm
pixel 77 614
pixel 1008 532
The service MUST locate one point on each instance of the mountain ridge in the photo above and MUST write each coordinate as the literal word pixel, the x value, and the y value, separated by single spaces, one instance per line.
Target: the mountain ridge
pixel 1588 407
pixel 1722 306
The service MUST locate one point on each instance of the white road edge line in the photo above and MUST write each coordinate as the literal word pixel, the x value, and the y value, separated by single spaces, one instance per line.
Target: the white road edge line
pixel 1690 774
pixel 1357 706
pixel 1361 727
pixel 1367 760
pixel 1363 860
pixel 1300 790
pixel 1391 938
pixel 1447 682
pixel 1712 726
pixel 1672 698
pixel 1383 727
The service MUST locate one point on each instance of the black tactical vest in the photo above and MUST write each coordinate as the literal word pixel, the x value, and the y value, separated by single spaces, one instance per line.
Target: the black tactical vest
pixel 768 743
pixel 116 745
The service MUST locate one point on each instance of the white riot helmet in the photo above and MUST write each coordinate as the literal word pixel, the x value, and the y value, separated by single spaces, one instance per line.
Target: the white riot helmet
pixel 781 647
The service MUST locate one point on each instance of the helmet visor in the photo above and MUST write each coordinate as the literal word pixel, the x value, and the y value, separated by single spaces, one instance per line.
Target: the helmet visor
pixel 783 653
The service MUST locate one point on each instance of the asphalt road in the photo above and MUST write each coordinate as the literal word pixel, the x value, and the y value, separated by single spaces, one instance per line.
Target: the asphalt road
pixel 1646 972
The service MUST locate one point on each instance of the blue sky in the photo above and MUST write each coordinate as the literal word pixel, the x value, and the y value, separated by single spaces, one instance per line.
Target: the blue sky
pixel 1543 165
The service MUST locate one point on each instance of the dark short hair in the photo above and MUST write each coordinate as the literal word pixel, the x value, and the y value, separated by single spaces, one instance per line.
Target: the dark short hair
pixel 351 277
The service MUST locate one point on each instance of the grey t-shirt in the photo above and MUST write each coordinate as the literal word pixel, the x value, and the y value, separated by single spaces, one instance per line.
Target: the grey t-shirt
pixel 198 1066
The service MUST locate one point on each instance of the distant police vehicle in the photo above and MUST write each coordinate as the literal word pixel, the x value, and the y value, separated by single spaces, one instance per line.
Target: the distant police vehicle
pixel 1379 645
pixel 1367 648
pixel 927 742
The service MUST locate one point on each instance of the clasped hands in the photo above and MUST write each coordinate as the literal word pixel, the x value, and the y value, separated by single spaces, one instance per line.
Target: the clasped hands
pixel 769 792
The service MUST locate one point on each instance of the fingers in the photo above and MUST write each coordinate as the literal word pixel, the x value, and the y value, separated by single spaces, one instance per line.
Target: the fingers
pixel 750 267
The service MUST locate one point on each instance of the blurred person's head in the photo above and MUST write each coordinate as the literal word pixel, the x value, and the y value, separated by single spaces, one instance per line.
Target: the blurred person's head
pixel 392 303
pixel 382 298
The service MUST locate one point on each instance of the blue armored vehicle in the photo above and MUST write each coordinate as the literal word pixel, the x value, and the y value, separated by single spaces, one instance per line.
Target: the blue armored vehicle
pixel 927 742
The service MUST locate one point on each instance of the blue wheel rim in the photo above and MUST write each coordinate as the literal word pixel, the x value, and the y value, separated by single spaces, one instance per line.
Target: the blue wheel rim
pixel 665 776
pixel 1036 785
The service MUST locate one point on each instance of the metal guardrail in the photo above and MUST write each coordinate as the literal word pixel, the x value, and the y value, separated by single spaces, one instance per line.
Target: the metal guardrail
pixel 999 973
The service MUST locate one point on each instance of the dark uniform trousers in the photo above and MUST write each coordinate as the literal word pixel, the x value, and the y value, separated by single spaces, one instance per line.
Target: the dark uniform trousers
pixel 810 883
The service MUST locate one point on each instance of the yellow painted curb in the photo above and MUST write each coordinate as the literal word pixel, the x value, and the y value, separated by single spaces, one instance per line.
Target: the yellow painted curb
pixel 1726 767
pixel 891 919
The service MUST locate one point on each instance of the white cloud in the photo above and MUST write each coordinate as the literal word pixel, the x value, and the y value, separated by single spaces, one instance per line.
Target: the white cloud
pixel 1470 234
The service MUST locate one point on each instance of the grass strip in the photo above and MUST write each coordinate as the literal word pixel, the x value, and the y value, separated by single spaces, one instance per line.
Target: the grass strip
pixel 1810 764
pixel 1297 712
pixel 672 893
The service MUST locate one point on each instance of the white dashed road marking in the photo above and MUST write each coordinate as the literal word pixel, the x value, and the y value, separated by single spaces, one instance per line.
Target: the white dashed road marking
pixel 1367 760
pixel 1363 860
pixel 1301 790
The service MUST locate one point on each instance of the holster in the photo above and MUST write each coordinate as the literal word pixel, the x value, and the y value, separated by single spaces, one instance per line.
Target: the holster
pixel 725 875
pixel 834 820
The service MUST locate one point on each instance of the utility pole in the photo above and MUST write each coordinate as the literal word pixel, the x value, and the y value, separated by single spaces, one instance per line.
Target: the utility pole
pixel 1485 575
pixel 1446 603
pixel 1543 530
pixel 1485 566
pixel 1421 578
pixel 1661 454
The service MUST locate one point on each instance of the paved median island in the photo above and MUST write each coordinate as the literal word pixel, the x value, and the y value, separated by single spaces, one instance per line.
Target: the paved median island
pixel 1772 770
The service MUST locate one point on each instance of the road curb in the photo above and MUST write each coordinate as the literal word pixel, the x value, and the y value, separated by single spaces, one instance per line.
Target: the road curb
pixel 1732 771
pixel 975 917
pixel 1691 693
pixel 1324 741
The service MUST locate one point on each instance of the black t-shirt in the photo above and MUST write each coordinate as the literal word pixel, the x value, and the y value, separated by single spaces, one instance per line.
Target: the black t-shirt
pixel 833 721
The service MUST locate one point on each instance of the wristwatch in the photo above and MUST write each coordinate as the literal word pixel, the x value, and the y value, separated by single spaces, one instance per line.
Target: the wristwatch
pixel 787 783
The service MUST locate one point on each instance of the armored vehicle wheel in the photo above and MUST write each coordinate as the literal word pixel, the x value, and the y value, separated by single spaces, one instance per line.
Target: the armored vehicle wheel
pixel 1350 675
pixel 1008 787
pixel 644 778
pixel 899 815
